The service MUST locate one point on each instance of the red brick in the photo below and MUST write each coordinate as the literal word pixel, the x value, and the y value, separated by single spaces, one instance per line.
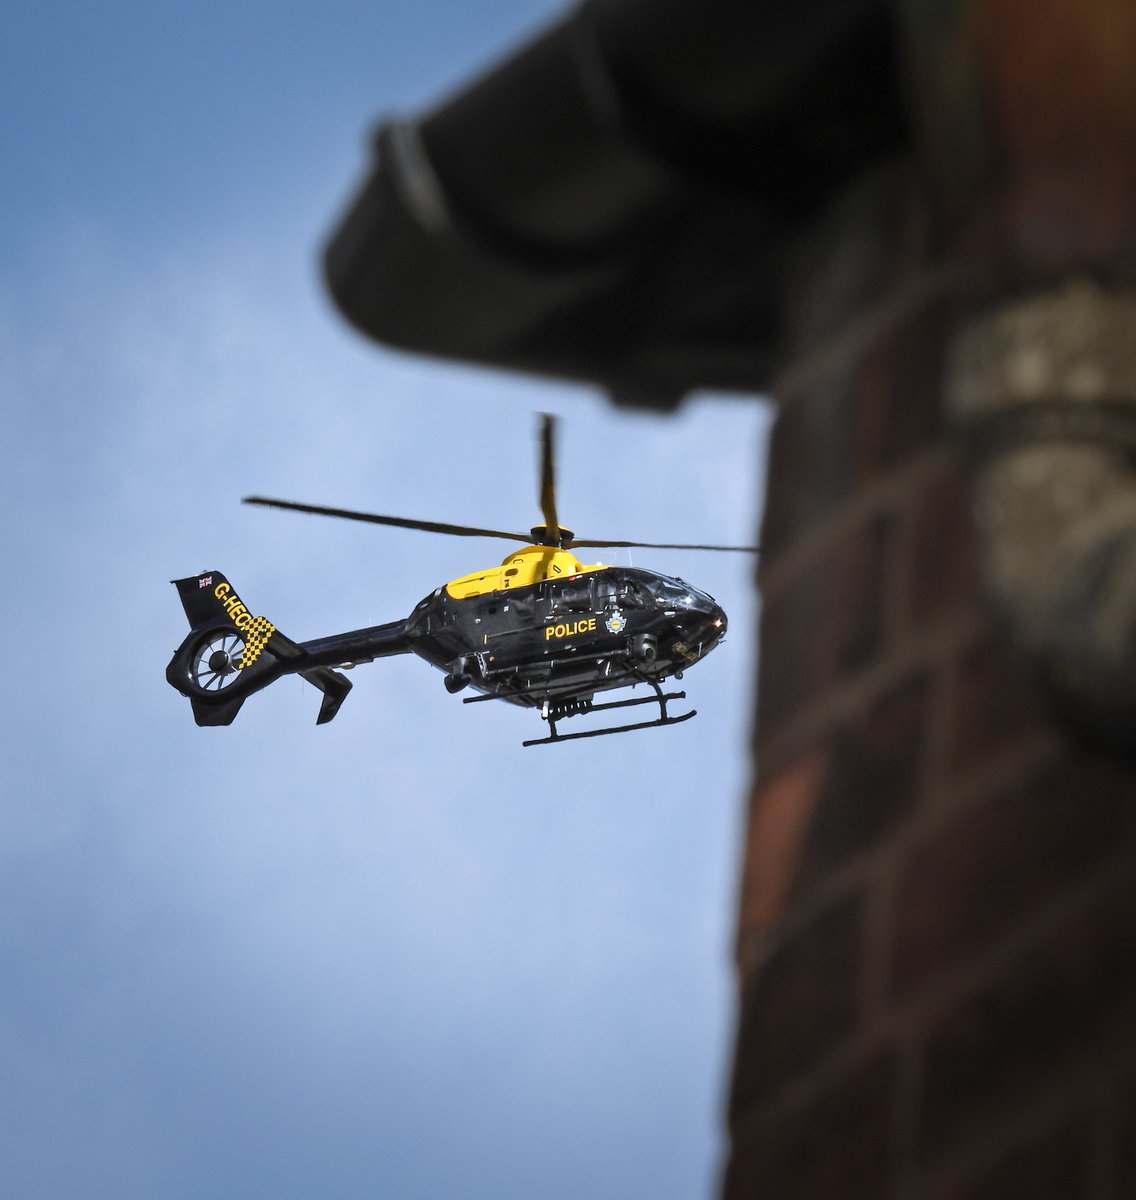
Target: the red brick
pixel 799 1004
pixel 837 1146
pixel 1055 1016
pixel 1067 169
pixel 1002 860
pixel 899 407
pixel 871 781
pixel 808 471
pixel 780 813
pixel 993 707
pixel 943 571
pixel 832 802
pixel 823 625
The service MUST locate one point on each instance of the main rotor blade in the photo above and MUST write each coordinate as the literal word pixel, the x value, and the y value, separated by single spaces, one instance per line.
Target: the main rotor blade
pixel 548 477
pixel 608 545
pixel 399 522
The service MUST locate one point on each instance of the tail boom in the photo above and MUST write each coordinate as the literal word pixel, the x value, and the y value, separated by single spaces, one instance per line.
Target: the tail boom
pixel 230 653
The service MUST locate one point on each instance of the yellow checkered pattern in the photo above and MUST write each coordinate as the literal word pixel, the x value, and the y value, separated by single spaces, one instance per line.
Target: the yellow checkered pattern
pixel 256 638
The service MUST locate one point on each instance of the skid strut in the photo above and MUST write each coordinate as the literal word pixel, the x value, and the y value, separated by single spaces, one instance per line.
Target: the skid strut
pixel 553 713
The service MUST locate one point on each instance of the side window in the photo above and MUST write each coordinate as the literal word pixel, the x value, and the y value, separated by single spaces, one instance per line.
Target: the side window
pixel 574 596
pixel 520 606
pixel 632 595
pixel 605 591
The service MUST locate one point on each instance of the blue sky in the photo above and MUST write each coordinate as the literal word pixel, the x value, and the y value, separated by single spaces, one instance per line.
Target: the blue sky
pixel 398 955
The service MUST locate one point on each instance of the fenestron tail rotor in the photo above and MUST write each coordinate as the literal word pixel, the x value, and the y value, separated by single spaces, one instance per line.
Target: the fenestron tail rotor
pixel 551 533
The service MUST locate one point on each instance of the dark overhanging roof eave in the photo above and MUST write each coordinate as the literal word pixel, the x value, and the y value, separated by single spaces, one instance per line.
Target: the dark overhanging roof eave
pixel 599 207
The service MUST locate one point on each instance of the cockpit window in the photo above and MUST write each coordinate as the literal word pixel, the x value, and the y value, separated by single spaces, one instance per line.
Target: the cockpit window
pixel 675 593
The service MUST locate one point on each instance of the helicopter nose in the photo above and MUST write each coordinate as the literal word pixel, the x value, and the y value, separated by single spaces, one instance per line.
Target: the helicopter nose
pixel 718 621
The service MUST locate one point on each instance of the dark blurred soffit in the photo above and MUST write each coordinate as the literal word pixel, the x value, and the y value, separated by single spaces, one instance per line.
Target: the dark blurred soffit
pixel 615 201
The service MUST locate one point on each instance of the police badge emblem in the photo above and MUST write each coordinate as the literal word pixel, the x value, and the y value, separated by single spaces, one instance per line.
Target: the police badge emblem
pixel 616 622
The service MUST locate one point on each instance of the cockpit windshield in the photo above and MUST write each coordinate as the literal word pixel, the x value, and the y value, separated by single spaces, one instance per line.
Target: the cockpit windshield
pixel 675 593
pixel 646 589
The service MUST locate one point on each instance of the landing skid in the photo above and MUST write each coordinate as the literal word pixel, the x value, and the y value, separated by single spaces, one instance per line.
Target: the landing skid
pixel 551 715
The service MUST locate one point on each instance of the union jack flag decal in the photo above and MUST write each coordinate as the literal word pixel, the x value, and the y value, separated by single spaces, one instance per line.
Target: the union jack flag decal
pixel 205 581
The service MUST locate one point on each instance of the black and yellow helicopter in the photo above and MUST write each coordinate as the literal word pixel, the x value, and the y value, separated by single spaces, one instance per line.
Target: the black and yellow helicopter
pixel 542 630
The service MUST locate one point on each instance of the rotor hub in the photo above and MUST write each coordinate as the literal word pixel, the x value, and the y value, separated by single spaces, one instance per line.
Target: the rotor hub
pixel 221 663
pixel 562 541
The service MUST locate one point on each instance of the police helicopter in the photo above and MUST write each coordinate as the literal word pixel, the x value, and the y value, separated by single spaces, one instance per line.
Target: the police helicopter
pixel 542 630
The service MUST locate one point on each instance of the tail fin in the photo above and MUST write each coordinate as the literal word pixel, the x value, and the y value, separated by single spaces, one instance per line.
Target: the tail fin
pixel 209 598
pixel 216 714
pixel 201 596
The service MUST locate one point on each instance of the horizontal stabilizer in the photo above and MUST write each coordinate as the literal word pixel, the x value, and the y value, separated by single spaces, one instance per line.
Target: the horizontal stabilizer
pixel 334 686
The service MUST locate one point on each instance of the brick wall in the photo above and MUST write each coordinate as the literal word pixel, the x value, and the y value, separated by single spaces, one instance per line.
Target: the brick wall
pixel 937 936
